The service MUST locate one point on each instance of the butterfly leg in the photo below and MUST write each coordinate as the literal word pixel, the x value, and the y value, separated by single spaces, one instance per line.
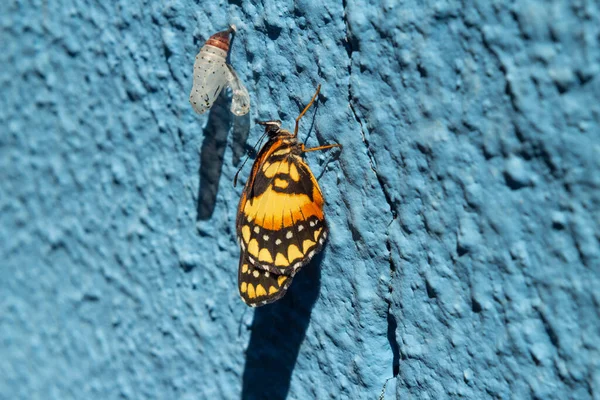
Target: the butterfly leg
pixel 305 110
pixel 327 146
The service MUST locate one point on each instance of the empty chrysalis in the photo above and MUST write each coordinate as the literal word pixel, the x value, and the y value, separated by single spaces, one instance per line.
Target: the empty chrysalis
pixel 212 74
pixel 240 103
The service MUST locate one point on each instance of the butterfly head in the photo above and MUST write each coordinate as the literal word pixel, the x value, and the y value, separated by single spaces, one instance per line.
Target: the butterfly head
pixel 272 128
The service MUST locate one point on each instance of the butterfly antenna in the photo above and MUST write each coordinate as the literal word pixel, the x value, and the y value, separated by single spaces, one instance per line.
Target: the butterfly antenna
pixel 246 159
pixel 306 109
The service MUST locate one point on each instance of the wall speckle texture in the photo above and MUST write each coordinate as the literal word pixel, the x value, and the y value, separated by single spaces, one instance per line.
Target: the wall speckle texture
pixel 464 210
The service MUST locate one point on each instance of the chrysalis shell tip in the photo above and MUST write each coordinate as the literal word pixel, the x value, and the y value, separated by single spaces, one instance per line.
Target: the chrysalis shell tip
pixel 220 40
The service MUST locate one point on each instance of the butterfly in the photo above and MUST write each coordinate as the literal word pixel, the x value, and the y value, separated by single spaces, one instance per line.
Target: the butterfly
pixel 280 223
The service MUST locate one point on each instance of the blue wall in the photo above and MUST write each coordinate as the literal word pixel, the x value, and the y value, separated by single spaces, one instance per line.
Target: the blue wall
pixel 464 209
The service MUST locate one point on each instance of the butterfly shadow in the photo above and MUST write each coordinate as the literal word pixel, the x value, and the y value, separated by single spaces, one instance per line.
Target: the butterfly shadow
pixel 278 330
pixel 212 152
pixel 331 157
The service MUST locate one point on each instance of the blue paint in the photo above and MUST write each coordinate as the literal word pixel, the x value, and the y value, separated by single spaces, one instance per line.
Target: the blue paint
pixel 464 209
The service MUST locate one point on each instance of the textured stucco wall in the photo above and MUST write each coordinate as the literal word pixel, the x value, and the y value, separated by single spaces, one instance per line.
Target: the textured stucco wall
pixel 464 210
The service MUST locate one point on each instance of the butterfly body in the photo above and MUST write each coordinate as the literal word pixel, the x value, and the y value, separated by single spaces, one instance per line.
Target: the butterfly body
pixel 280 222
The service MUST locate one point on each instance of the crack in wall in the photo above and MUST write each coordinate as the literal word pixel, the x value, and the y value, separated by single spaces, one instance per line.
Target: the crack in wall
pixel 352 46
pixel 372 162
pixel 391 319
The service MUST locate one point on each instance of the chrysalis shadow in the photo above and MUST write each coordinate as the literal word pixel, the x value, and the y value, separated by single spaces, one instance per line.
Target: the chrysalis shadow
pixel 241 130
pixel 212 154
pixel 278 330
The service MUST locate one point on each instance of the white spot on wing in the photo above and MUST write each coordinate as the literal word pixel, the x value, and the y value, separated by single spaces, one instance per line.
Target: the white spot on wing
pixel 289 235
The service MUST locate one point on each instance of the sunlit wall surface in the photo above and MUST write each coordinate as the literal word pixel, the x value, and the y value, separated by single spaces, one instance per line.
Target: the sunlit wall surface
pixel 464 210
